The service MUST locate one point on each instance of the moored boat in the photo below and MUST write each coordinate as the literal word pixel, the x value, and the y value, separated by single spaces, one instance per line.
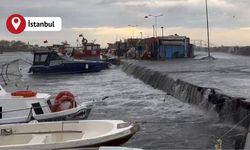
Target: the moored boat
pixel 66 134
pixel 24 106
pixel 45 62
pixel 88 51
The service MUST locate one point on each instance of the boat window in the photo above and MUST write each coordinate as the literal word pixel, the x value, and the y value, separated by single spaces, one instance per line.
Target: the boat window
pixel 89 47
pixel 54 56
pixel 37 108
pixel 43 58
pixel 37 58
pixel 40 58
pixel 1 111
pixel 95 47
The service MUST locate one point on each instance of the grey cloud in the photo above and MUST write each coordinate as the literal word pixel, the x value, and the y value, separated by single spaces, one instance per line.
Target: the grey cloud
pixel 116 13
pixel 95 13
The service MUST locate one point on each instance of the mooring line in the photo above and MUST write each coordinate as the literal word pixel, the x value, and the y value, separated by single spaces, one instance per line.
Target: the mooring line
pixel 236 125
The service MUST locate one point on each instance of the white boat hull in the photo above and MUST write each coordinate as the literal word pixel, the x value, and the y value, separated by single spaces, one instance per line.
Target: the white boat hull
pixel 21 109
pixel 68 134
pixel 79 113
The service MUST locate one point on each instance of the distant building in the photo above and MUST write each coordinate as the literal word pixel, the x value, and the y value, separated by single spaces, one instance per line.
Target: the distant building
pixel 167 47
pixel 118 48
pixel 174 47
pixel 4 43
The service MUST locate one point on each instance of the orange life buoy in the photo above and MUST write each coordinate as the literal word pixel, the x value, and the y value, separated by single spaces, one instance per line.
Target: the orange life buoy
pixel 61 98
pixel 24 93
pixel 64 93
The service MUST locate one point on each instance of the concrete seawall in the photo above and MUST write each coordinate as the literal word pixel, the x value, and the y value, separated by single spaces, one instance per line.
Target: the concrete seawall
pixel 230 109
pixel 182 90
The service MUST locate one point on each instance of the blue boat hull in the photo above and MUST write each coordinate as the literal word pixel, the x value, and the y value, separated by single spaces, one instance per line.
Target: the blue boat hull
pixel 67 68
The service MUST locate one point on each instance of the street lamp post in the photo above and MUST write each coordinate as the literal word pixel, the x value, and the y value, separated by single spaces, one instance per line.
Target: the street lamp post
pixel 153 30
pixel 209 57
pixel 162 31
pixel 155 25
pixel 208 40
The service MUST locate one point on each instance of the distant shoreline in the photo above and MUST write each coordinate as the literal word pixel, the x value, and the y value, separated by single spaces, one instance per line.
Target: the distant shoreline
pixel 17 49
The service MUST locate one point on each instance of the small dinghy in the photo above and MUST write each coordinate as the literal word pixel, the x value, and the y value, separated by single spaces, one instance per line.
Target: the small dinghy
pixel 24 106
pixel 66 134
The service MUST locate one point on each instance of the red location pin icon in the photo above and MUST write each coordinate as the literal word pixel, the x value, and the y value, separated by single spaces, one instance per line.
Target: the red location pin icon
pixel 16 23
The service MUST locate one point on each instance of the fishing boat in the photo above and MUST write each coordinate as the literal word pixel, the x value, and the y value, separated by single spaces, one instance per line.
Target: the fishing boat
pixel 88 51
pixel 24 106
pixel 45 62
pixel 66 134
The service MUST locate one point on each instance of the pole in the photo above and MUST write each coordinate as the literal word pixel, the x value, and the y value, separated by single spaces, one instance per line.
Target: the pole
pixel 153 31
pixel 162 34
pixel 141 34
pixel 156 25
pixel 208 42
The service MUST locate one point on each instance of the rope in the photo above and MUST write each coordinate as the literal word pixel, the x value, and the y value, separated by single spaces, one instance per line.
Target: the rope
pixel 28 61
pixel 78 103
pixel 30 116
pixel 218 146
pixel 234 127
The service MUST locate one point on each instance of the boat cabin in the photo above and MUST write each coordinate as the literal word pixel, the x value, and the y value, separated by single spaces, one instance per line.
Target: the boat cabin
pixel 19 108
pixel 45 57
pixel 53 62
pixel 90 51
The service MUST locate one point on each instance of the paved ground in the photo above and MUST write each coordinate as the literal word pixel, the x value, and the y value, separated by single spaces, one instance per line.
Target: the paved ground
pixel 228 73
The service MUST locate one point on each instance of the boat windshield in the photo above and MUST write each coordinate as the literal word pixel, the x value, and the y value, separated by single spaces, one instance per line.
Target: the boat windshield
pixel 55 56
pixel 40 58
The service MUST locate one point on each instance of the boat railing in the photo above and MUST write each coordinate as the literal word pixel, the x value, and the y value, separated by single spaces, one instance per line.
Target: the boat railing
pixel 11 69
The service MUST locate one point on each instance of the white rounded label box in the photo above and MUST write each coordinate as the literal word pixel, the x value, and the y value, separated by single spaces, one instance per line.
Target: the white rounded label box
pixel 43 23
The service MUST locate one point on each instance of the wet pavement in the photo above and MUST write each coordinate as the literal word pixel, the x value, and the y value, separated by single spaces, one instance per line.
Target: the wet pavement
pixel 228 73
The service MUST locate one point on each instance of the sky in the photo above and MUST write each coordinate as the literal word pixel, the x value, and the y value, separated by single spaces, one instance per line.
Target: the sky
pixel 107 20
